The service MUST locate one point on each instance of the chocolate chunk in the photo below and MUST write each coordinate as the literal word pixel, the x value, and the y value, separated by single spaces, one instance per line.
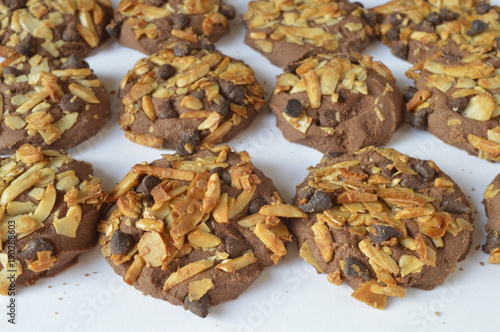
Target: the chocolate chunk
pixel 327 118
pixel 222 108
pixel 182 48
pixel 382 233
pixel 409 92
pixel 447 15
pixel 293 108
pixel 232 92
pixel 71 103
pixel 227 10
pixel 354 268
pixel 396 19
pixel 165 72
pixel 255 205
pixel 452 57
pixel 477 27
pixel 457 104
pixel 425 170
pixel 121 243
pixel 497 44
pixel 36 245
pixel 235 246
pixel 188 142
pixel 492 242
pixel 11 71
pixel 483 7
pixel 198 94
pixel 70 33
pixel 167 110
pixel 290 68
pixel 114 29
pixel 411 181
pixel 180 21
pixel 419 120
pixel 26 46
pixel 16 4
pixel 392 34
pixel 453 205
pixel 224 175
pixel 334 154
pixel 206 44
pixel 370 18
pixel 199 307
pixel 156 3
pixel 434 18
pixel 74 62
pixel 400 50
pixel 318 202
pixel 304 195
pixel 147 184
pixel 425 26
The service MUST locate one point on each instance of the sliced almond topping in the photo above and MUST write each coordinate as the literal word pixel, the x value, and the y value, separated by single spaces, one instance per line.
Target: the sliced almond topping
pixel 153 249
pixel 252 220
pixel 410 264
pixel 147 140
pixel 480 107
pixel 241 202
pixel 283 210
pixel 396 291
pixel 28 154
pixel 186 272
pixel 436 226
pixel 313 89
pixel 84 93
pixel 380 257
pixel 427 254
pixel 198 288
pixel 271 241
pixel 68 225
pixel 202 239
pixel 130 204
pixel 418 99
pixel 365 294
pixel 306 253
pixel 324 241
pixel 494 256
pixel 165 172
pixel 128 182
pixel 220 212
pixel 44 262
pixel 134 270
pixel 18 186
pixel 236 264
pixel 46 205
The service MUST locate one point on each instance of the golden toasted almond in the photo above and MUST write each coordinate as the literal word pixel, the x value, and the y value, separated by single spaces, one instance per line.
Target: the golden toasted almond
pixel 352 197
pixel 480 107
pixel 153 249
pixel 365 294
pixel 134 270
pixel 403 197
pixel 19 185
pixel 130 205
pixel 34 100
pixel 415 212
pixel 68 225
pixel 306 253
pixel 147 140
pixel 418 99
pixel 395 291
pixel 236 264
pixel 241 202
pixel 49 81
pixel 44 262
pixel 217 135
pixel 313 89
pixel 202 239
pixel 283 210
pixel 380 257
pixel 25 226
pixel 335 278
pixel 494 256
pixel 490 191
pixel 186 215
pixel 427 254
pixel 29 154
pixel 186 272
pixel 270 240
pixel 252 220
pixel 494 135
pixel 149 224
pixel 382 275
pixel 324 240
pixel 220 212
pixel 487 146
pixel 86 94
pixel 128 182
pixel 165 172
pixel 198 288
pixel 46 204
pixel 436 226
pixel 16 208
pixel 410 264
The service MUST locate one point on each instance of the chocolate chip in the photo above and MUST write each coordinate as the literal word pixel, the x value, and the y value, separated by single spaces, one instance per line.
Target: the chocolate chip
pixel 392 34
pixel 165 72
pixel 206 44
pixel 370 18
pixel 11 71
pixel 222 108
pixel 180 21
pixel 425 26
pixel 198 94
pixel 447 15
pixel 425 170
pixel 182 48
pixel 333 154
pixel 293 108
pixel 199 307
pixel 450 56
pixel 290 68
pixel 434 18
pixel 400 50
pixel 453 205
pixel 235 246
pixel 74 62
pixel 16 4
pixel 36 245
pixel 396 19
pixel 318 202
pixel 457 104
pixel 382 233
pixel 26 46
pixel 419 119
pixel 227 10
pixel 477 27
pixel 70 33
pixel 223 174
pixel 354 268
pixel 232 92
pixel 156 3
pixel 188 142
pixel 114 29
pixel 304 195
pixel 121 243
pixel 497 44
pixel 147 184
pixel 409 92
pixel 492 242
pixel 255 205
pixel 327 118
pixel 167 110
pixel 411 181
pixel 71 103
pixel 483 7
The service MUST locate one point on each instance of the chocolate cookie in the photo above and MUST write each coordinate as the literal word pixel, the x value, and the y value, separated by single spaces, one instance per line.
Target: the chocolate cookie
pixel 195 230
pixel 334 103
pixel 47 102
pixel 285 32
pixel 181 102
pixel 49 211
pixel 458 101
pixel 492 206
pixel 52 28
pixel 151 26
pixel 381 222
pixel 416 29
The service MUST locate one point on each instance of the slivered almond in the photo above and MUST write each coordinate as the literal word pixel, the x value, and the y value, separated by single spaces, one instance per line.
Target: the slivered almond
pixel 306 253
pixel 212 194
pixel 380 257
pixel 427 254
pixel 220 212
pixel 198 288
pixel 46 205
pixel 241 202
pixel 313 89
pixel 45 260
pixel 68 225
pixel 186 272
pixel 283 210
pixel 147 140
pixel 201 239
pixel 365 294
pixel 236 264
pixel 165 172
pixel 84 93
pixel 134 270
pixel 410 264
pixel 153 249
pixel 270 240
pixel 324 240
pixel 130 180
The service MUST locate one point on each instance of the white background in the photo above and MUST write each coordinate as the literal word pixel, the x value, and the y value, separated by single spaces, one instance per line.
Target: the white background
pixel 287 297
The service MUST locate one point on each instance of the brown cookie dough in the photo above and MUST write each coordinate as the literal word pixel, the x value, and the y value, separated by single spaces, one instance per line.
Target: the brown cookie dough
pixel 334 103
pixel 416 29
pixel 457 98
pixel 492 206
pixel 151 26
pixel 183 102
pixel 49 211
pixel 381 222
pixel 195 230
pixel 47 102
pixel 285 32
pixel 52 28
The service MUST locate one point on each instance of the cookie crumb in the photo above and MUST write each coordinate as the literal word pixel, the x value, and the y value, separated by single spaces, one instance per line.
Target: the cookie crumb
pixel 112 92
pixel 460 269
pixel 87 274
pixel 437 313
pixel 477 248
pixel 481 263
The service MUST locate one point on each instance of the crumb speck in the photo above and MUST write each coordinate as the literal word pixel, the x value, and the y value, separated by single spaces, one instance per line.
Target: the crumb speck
pixel 59 298
pixel 50 286
pixel 94 272
pixel 112 92
pixel 477 248
pixel 86 274
pixel 436 313
pixel 481 263
pixel 460 269
pixel 56 313
pixel 64 284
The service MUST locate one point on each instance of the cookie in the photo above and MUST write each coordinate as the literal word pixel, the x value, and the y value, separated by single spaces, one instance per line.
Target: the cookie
pixel 381 222
pixel 195 230
pixel 285 32
pixel 53 28
pixel 492 206
pixel 335 103
pixel 151 26
pixel 49 211
pixel 416 29
pixel 182 102
pixel 457 99
pixel 47 102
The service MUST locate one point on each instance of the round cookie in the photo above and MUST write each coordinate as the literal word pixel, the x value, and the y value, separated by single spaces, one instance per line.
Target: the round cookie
pixel 180 103
pixel 381 221
pixel 49 211
pixel 492 206
pixel 285 32
pixel 416 29
pixel 334 103
pixel 53 28
pixel 52 103
pixel 457 100
pixel 151 26
pixel 195 230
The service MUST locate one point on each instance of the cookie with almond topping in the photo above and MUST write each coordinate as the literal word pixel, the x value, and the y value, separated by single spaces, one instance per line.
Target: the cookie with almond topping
pixel 48 102
pixel 53 28
pixel 195 230
pixel 182 102
pixel 49 211
pixel 492 206
pixel 457 99
pixel 151 26
pixel 336 103
pixel 381 222
pixel 288 31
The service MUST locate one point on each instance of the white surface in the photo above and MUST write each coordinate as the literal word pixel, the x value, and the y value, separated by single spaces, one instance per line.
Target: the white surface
pixel 287 297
